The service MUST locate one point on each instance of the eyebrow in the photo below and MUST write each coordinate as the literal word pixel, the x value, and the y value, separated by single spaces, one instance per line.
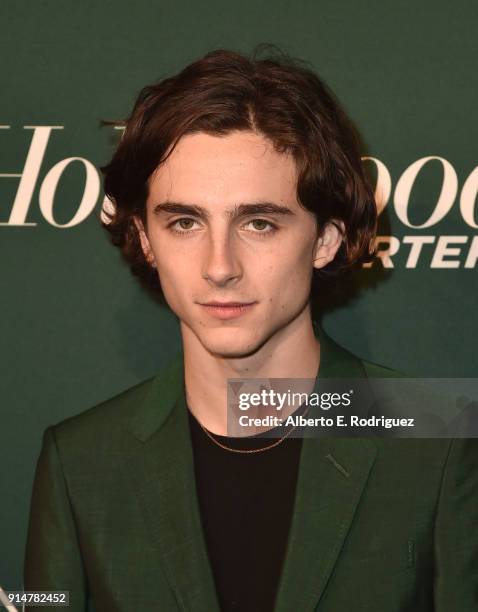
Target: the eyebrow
pixel 239 210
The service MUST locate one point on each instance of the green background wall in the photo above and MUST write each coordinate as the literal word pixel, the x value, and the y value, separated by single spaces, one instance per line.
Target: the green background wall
pixel 75 326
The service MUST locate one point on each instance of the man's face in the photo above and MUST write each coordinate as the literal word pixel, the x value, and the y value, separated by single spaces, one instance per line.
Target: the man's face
pixel 209 245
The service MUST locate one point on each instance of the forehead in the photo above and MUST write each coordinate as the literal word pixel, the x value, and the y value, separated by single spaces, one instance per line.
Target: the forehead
pixel 213 170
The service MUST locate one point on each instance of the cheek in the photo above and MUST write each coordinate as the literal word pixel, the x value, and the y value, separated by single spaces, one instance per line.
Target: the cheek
pixel 172 262
pixel 293 264
pixel 175 274
pixel 297 286
pixel 287 282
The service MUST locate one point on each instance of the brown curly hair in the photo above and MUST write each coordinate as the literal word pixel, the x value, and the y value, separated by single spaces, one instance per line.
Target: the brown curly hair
pixel 279 97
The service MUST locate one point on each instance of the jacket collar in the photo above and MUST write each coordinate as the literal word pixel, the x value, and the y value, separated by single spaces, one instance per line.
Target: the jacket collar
pixel 332 475
pixel 168 385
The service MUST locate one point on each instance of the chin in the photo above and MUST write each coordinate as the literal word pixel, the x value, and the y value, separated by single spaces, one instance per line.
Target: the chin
pixel 231 343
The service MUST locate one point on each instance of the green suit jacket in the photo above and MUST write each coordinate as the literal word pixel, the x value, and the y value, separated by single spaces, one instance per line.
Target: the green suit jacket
pixel 379 525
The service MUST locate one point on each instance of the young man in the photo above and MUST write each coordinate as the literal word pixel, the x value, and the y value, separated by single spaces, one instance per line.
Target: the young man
pixel 237 187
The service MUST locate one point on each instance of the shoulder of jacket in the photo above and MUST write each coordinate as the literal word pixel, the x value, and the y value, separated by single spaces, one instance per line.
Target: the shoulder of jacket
pixel 104 421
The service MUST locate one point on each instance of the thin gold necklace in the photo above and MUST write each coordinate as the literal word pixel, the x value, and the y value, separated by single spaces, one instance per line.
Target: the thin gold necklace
pixel 250 450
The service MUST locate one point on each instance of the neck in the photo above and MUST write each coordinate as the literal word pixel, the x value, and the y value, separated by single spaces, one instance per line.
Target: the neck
pixel 291 352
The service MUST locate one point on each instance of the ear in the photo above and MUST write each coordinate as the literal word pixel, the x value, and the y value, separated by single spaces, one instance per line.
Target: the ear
pixel 145 245
pixel 328 243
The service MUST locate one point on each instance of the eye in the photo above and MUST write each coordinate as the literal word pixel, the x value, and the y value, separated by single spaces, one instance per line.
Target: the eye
pixel 262 226
pixel 185 224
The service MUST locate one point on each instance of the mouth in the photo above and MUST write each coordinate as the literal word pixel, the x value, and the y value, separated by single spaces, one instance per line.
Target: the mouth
pixel 228 310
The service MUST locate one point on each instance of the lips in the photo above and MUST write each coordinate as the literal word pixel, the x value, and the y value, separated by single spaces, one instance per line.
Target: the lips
pixel 228 304
pixel 228 310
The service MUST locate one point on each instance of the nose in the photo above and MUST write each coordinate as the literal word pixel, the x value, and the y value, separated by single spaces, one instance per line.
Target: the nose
pixel 221 265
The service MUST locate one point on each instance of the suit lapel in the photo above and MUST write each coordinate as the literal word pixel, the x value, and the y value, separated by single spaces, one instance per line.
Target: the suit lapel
pixel 162 473
pixel 332 476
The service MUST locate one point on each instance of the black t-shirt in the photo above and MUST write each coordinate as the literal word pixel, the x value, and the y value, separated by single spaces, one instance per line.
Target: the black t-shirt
pixel 246 503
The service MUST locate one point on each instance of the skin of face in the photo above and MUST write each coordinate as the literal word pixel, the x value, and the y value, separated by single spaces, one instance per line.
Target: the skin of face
pixel 213 253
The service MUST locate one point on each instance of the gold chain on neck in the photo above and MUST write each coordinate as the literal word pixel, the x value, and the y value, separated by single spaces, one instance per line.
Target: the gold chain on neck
pixel 250 450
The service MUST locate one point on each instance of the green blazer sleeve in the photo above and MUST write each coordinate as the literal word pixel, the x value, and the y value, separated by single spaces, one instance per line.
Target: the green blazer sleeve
pixel 52 558
pixel 456 530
